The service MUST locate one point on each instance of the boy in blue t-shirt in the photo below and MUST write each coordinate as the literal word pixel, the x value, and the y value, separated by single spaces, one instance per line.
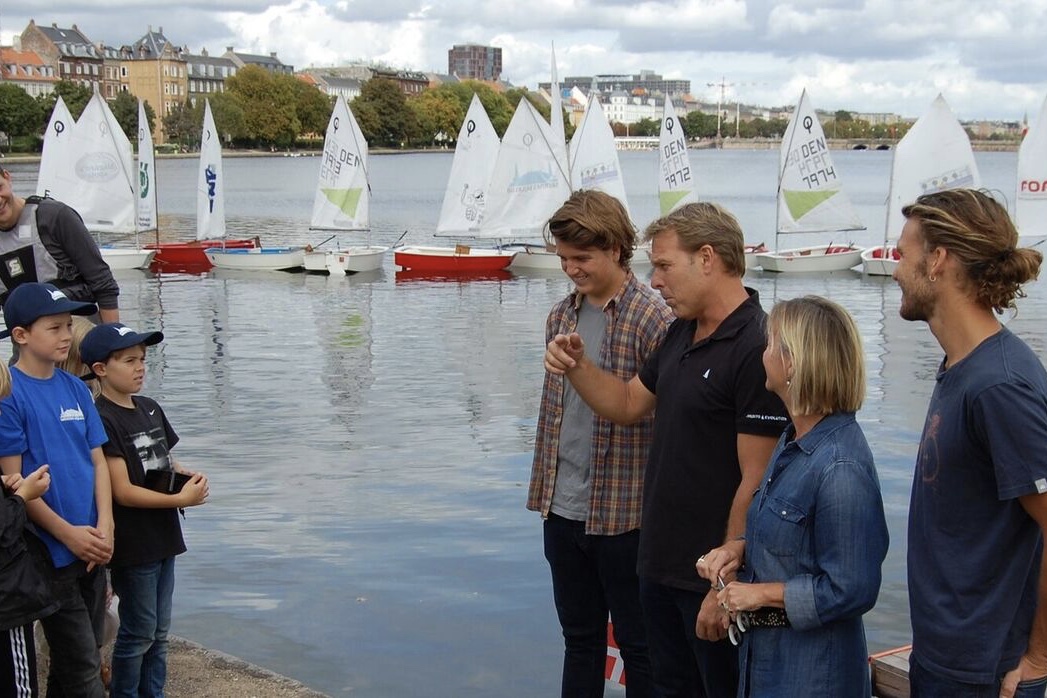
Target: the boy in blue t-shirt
pixel 50 418
pixel 146 499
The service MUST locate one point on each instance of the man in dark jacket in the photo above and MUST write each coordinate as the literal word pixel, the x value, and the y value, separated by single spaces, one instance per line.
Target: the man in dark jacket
pixel 45 240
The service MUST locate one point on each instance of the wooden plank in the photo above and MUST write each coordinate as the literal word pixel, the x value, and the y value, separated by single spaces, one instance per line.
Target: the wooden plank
pixel 890 673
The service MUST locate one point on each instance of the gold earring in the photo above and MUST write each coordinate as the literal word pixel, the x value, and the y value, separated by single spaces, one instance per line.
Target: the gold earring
pixel 932 278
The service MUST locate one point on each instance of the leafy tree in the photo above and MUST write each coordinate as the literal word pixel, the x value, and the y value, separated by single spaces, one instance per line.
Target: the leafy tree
pixel 184 124
pixel 229 117
pixel 312 106
pixel 495 104
pixel 390 123
pixel 843 115
pixel 645 127
pixel 268 105
pixel 74 95
pixel 437 113
pixel 514 96
pixel 699 125
pixel 20 114
pixel 125 109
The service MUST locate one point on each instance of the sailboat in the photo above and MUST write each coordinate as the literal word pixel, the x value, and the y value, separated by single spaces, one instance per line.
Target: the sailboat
pixel 466 203
pixel 675 176
pixel 54 159
pixel 343 195
pixel 1030 209
pixel 189 256
pixel 89 166
pixel 593 164
pixel 210 214
pixel 810 200
pixel 933 156
pixel 146 202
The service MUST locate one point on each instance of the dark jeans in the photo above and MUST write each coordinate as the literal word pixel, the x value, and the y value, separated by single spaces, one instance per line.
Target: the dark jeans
pixel 75 662
pixel 591 576
pixel 924 684
pixel 140 652
pixel 684 665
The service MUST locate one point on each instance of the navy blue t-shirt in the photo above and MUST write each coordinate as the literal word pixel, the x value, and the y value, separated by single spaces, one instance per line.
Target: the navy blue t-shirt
pixel 974 552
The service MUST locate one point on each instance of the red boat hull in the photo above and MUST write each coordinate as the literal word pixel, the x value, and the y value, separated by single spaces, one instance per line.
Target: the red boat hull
pixel 430 259
pixel 189 256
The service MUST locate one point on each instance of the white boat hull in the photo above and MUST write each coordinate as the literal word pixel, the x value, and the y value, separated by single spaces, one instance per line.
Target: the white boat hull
pixel 124 258
pixel 820 258
pixel 537 258
pixel 349 260
pixel 534 257
pixel 257 258
pixel 751 252
pixel 876 263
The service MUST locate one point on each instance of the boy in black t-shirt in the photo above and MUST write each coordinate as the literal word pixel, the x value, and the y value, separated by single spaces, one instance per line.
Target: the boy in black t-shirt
pixel 148 534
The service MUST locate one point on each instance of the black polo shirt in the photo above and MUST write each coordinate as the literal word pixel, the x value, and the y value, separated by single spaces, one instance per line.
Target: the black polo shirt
pixel 707 393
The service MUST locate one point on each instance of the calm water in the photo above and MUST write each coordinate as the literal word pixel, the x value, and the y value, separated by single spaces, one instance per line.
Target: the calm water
pixel 369 438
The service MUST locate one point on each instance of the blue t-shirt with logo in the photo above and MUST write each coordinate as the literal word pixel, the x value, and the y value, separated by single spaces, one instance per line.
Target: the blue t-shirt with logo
pixel 54 421
pixel 974 552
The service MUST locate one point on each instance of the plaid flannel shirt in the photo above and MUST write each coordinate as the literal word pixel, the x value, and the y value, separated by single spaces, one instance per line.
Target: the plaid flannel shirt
pixel 637 320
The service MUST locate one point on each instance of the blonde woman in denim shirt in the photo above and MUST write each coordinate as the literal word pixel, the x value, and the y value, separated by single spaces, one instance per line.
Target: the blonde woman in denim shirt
pixel 815 533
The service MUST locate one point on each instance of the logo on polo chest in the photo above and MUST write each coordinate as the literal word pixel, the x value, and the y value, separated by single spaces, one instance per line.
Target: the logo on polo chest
pixel 71 414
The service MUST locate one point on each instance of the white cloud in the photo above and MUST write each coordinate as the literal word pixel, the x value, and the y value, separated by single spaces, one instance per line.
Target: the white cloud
pixel 867 55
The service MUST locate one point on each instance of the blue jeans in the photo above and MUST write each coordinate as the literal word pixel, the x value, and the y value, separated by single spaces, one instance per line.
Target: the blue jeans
pixel 684 665
pixel 75 661
pixel 591 576
pixel 924 684
pixel 140 652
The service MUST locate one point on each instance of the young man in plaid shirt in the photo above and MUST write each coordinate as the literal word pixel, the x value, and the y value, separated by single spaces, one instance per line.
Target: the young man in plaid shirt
pixel 587 477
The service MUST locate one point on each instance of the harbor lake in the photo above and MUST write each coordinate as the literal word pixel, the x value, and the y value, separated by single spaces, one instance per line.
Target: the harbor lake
pixel 368 439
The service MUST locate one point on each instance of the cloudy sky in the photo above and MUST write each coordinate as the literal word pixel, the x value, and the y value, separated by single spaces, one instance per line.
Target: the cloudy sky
pixel 987 57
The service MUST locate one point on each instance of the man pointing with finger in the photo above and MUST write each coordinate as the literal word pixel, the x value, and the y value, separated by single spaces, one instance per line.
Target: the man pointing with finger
pixel 715 427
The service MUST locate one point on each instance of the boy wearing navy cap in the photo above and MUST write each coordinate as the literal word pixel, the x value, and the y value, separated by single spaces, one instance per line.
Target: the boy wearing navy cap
pixel 50 418
pixel 148 533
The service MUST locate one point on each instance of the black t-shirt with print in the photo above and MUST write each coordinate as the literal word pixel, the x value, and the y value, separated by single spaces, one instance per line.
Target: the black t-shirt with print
pixel 143 438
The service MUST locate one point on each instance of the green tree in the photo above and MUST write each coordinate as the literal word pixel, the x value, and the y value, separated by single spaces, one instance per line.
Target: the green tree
pixel 20 114
pixel 125 109
pixel 494 103
pixel 268 105
pixel 437 114
pixel 390 123
pixel 514 96
pixel 229 117
pixel 74 95
pixel 843 115
pixel 699 125
pixel 184 124
pixel 645 127
pixel 312 107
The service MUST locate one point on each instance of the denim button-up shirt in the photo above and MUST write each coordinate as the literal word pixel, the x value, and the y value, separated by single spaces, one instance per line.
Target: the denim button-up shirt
pixel 816 524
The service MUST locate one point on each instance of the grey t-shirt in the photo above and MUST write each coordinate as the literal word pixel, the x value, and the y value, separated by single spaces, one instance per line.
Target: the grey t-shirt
pixel 571 492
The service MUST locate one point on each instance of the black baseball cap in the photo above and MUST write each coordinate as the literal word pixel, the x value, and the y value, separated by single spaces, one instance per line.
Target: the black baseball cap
pixel 103 340
pixel 31 301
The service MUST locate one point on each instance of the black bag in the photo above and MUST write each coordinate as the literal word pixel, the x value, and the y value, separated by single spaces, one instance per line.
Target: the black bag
pixel 166 481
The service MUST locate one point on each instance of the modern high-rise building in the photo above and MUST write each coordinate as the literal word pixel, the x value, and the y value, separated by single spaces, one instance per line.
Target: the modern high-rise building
pixel 475 62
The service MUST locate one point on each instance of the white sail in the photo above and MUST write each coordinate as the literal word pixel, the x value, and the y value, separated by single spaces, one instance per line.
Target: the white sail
pixel 96 174
pixel 475 154
pixel 53 159
pixel 594 157
pixel 810 190
pixel 933 156
pixel 675 176
pixel 528 184
pixel 342 193
pixel 146 173
pixel 556 116
pixel 210 183
pixel 1030 210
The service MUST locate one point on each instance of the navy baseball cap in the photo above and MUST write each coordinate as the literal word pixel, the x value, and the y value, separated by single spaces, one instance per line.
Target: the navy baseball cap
pixel 103 340
pixel 31 301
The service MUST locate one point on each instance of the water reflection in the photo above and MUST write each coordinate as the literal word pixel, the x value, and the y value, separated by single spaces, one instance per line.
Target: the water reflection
pixel 369 438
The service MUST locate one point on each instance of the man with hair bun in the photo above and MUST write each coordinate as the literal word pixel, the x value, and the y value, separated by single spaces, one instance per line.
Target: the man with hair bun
pixel 977 592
